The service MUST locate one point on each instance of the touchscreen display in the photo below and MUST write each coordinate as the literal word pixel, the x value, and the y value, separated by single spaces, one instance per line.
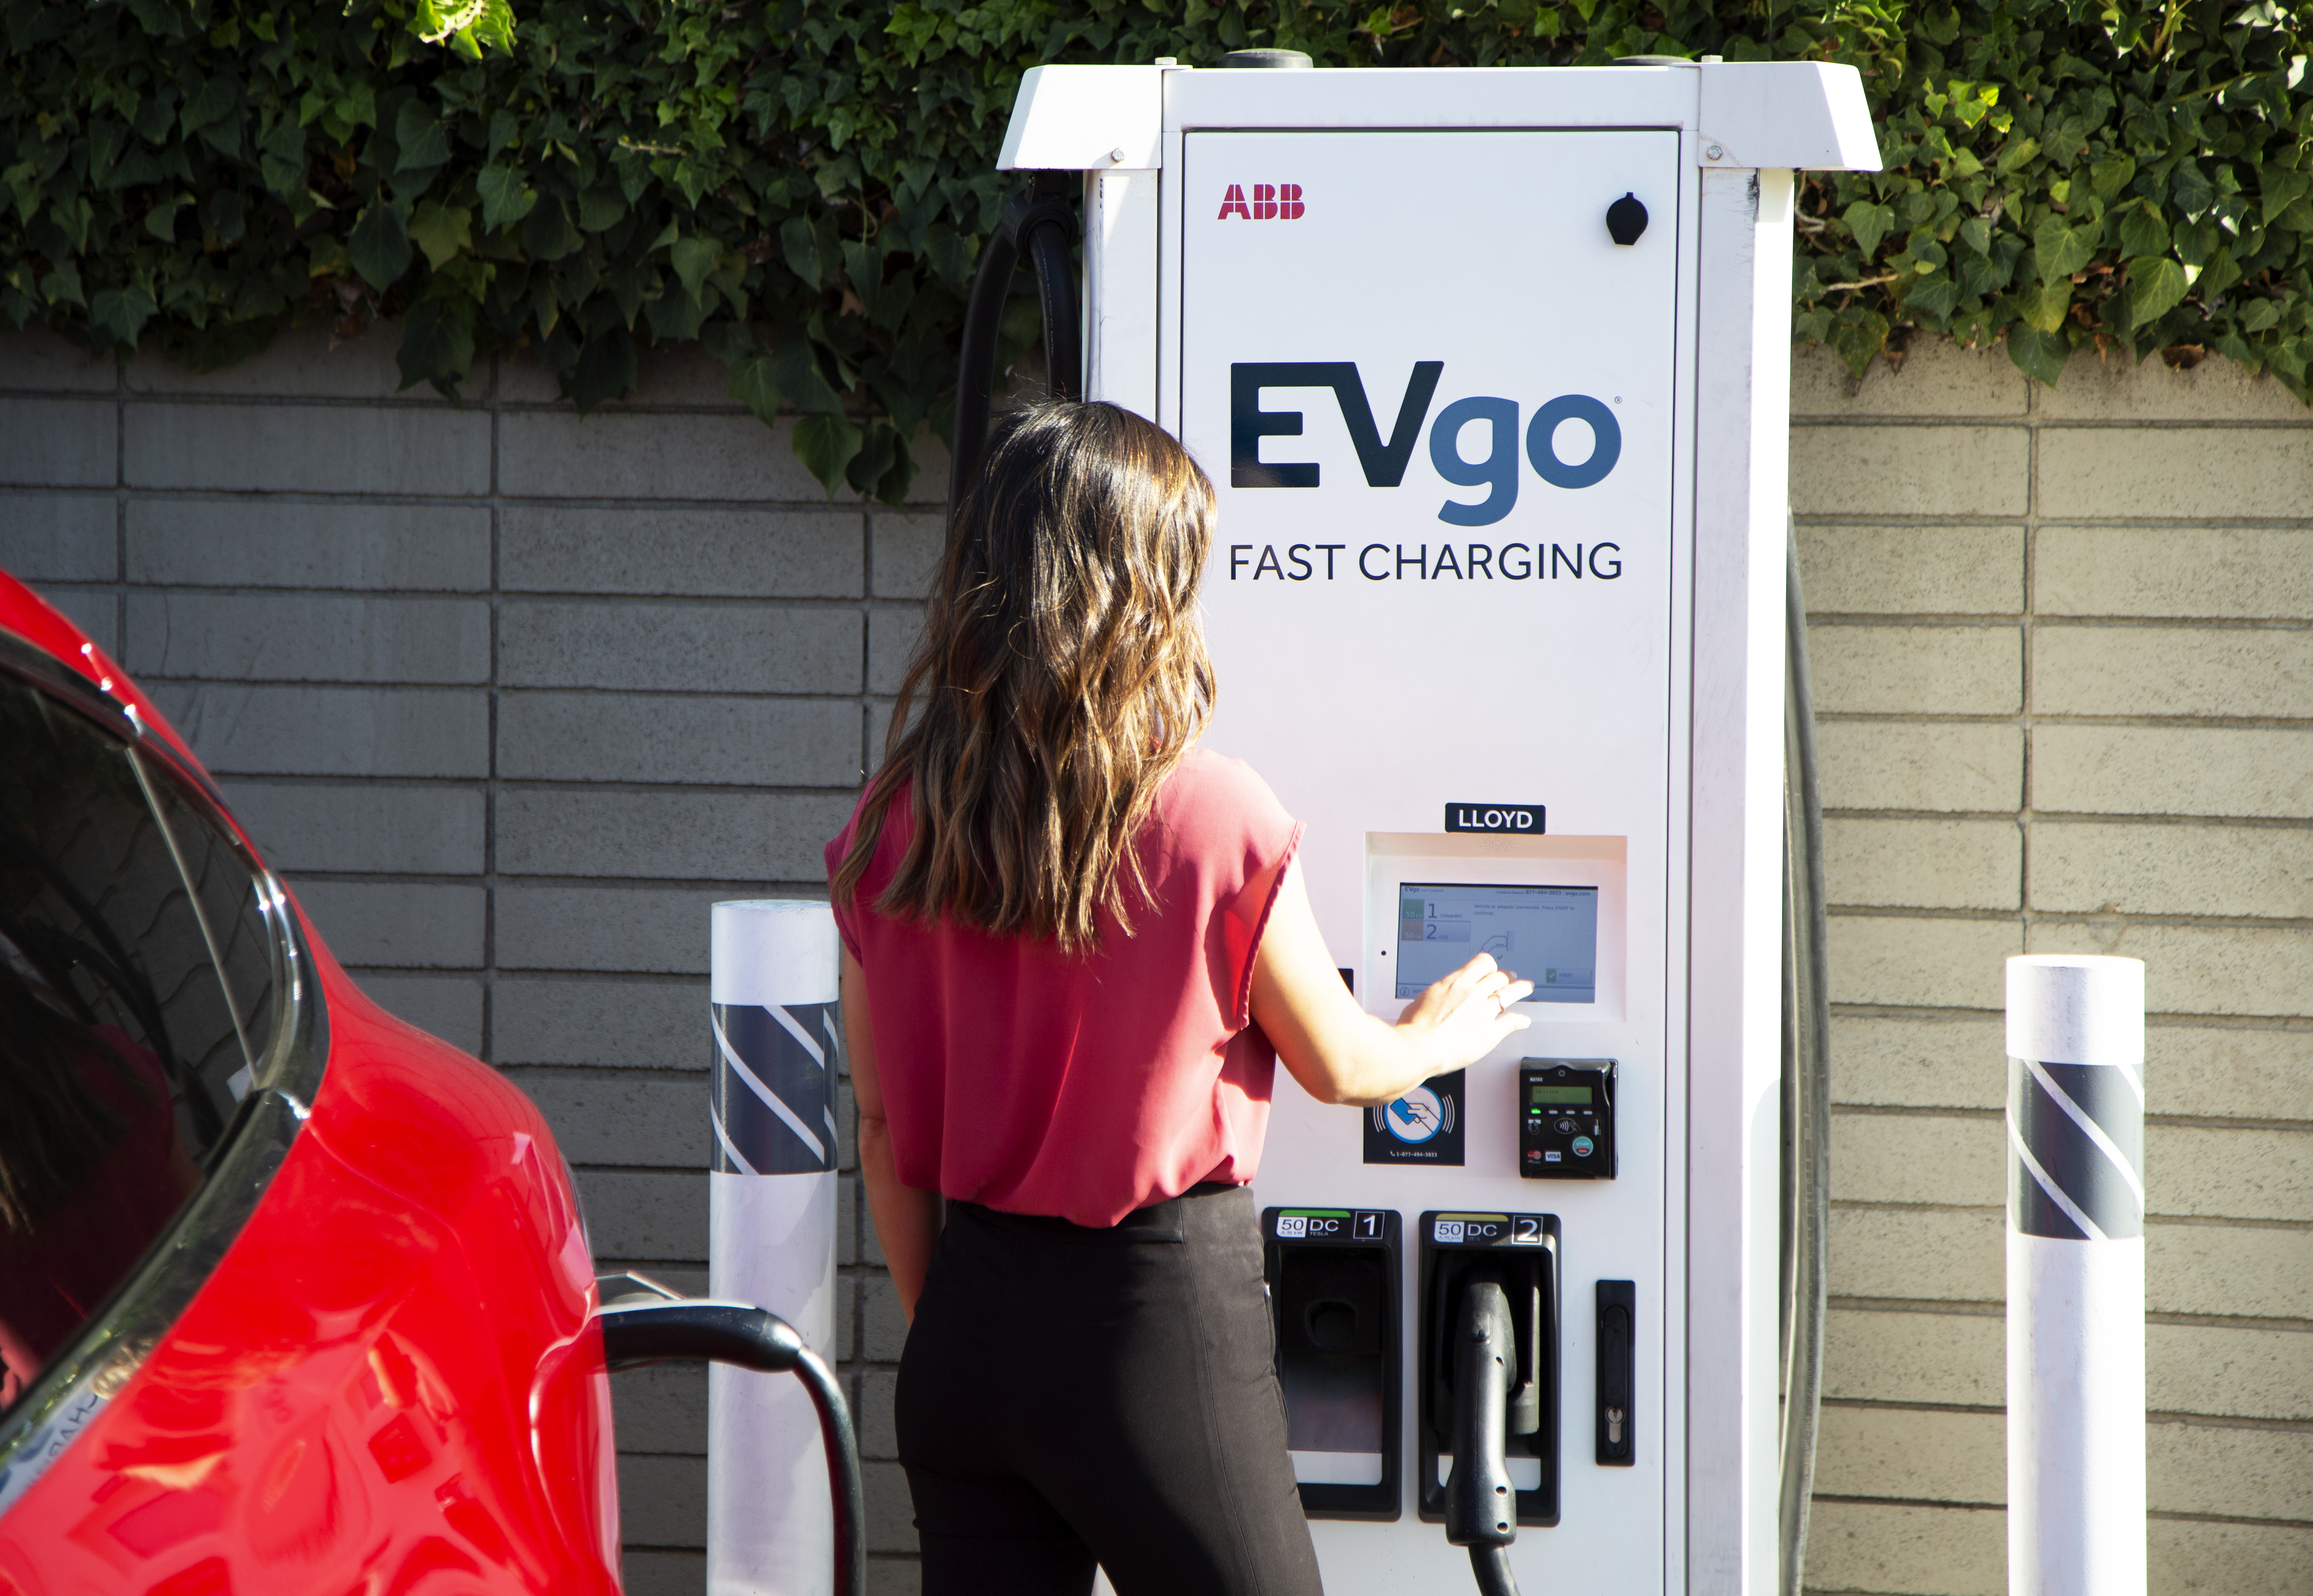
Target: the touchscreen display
pixel 1548 935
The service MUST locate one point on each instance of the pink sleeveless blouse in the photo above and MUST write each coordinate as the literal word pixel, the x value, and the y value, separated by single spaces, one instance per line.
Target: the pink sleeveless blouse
pixel 1084 1086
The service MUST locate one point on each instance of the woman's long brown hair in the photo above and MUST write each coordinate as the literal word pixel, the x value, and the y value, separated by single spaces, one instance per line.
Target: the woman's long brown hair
pixel 1061 677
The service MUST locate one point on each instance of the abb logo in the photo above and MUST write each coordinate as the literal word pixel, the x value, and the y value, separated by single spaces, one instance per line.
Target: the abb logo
pixel 1271 202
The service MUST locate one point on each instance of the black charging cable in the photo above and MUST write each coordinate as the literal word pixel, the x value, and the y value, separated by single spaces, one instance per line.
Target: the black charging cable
pixel 1040 223
pixel 656 1331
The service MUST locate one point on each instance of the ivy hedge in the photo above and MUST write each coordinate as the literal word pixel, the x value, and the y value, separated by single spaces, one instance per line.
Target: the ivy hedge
pixel 801 184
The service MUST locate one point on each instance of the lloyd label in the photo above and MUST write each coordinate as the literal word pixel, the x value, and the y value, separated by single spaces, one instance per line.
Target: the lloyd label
pixel 1523 820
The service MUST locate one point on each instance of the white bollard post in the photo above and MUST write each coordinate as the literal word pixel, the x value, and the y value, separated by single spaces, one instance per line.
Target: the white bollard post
pixel 2075 1277
pixel 772 990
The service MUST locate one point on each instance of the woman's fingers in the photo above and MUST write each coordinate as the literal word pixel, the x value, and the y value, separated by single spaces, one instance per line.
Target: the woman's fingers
pixel 1472 975
pixel 1502 986
pixel 1503 981
pixel 1478 983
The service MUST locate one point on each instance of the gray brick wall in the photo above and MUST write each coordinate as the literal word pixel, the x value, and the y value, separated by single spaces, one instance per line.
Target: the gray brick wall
pixel 2063 642
pixel 510 697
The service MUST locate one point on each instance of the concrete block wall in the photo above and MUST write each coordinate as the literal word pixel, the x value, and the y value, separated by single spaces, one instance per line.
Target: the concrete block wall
pixel 511 697
pixel 2062 650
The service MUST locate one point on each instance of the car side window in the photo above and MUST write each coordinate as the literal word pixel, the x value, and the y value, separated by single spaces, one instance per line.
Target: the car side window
pixel 140 980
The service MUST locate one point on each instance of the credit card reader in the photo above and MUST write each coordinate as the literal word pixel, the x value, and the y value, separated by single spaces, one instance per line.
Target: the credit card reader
pixel 1566 1118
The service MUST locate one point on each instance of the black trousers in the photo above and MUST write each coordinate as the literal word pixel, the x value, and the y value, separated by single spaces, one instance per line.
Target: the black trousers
pixel 1071 1397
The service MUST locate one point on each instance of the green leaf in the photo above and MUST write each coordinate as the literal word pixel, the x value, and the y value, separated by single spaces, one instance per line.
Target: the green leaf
pixel 752 384
pixel 2278 188
pixel 876 449
pixel 2220 273
pixel 2016 153
pixel 106 140
pixel 600 209
pixel 1857 336
pixel 496 27
pixel 1934 297
pixel 2067 140
pixel 62 284
pixel 211 103
pixel 424 141
pixel 2108 178
pixel 437 345
pixel 2143 232
pixel 1870 224
pixel 159 18
pixel 161 221
pixel 606 369
pixel 2036 353
pixel 228 218
pixel 379 246
pixel 550 233
pixel 2061 250
pixel 122 312
pixel 729 342
pixel 800 250
pixel 442 231
pixel 546 308
pixel 360 104
pixel 2043 304
pixel 2155 288
pixel 787 375
pixel 2190 190
pixel 282 158
pixel 673 318
pixel 693 258
pixel 506 199
pixel 891 487
pixel 826 445
pixel 798 378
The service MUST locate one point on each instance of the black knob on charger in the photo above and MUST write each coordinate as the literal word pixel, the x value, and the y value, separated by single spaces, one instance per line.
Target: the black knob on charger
pixel 1626 220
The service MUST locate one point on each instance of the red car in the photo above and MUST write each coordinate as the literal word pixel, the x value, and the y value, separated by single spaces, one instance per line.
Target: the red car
pixel 294 1297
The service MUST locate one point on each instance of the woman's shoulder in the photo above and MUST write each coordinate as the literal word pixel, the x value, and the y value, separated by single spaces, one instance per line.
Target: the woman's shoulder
pixel 1211 795
pixel 899 823
pixel 1215 778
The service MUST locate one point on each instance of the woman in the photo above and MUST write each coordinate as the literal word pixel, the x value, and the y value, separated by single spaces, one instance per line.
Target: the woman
pixel 1075 944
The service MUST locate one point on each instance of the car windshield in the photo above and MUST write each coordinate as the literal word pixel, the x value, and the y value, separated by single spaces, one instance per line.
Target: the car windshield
pixel 140 987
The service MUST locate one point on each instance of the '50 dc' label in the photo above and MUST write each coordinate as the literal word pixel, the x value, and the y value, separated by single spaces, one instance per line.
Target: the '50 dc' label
pixel 1519 1230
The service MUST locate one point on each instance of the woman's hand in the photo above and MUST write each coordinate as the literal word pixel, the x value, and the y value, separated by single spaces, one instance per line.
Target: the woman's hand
pixel 1338 1053
pixel 1465 1015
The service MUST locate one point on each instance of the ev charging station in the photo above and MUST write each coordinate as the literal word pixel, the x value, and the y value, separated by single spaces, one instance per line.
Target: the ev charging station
pixel 1490 367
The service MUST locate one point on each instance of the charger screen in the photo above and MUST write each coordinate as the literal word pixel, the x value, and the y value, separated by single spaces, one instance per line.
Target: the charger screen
pixel 1576 1097
pixel 1548 935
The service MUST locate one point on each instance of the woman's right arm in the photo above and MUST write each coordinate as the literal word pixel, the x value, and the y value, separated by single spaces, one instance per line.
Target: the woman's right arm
pixel 907 1220
pixel 1338 1053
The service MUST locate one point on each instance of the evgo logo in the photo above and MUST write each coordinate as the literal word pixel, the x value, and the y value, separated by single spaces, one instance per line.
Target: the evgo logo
pixel 1382 461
